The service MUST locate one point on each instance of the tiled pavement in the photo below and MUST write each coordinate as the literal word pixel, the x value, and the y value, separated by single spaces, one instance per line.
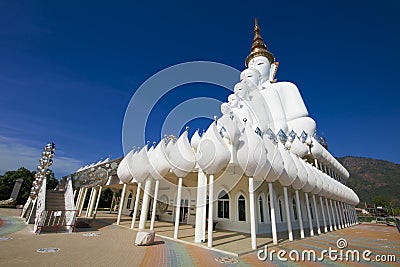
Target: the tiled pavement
pixel 114 247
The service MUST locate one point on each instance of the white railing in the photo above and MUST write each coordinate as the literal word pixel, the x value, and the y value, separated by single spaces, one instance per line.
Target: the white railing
pixel 69 203
pixel 25 208
pixel 54 219
pixel 40 207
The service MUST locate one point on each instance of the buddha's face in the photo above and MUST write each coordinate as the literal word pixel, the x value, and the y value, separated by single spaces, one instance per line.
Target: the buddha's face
pixel 225 108
pixel 233 101
pixel 252 75
pixel 262 65
pixel 241 90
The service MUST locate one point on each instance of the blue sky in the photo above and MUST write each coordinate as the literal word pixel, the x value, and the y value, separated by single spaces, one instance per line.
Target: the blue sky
pixel 69 69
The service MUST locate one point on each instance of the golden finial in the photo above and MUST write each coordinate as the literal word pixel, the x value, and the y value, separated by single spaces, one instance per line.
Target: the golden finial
pixel 258 47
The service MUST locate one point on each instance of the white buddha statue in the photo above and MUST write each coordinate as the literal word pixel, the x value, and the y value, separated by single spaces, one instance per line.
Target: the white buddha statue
pixel 241 112
pixel 252 75
pixel 252 100
pixel 286 104
pixel 270 95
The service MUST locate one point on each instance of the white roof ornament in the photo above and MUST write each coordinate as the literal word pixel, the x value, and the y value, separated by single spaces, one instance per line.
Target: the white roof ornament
pixel 311 178
pixel 194 142
pixel 318 181
pixel 302 174
pixel 139 165
pixel 252 155
pixel 181 157
pixel 159 165
pixel 212 153
pixel 123 172
pixel 274 157
pixel 323 156
pixel 291 171
pixel 229 125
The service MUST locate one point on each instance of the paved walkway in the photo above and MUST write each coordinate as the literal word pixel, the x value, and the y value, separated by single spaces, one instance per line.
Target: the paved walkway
pixel 111 245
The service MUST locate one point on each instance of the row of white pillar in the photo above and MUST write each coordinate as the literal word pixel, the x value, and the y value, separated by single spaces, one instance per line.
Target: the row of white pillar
pixel 340 214
pixel 93 203
pixel 335 215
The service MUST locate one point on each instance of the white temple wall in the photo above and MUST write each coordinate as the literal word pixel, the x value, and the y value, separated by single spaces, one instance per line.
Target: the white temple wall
pixel 238 186
pixel 128 204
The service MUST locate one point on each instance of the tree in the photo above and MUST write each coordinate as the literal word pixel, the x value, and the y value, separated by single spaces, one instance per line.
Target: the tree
pixel 51 181
pixel 7 182
pixel 106 198
pixel 380 201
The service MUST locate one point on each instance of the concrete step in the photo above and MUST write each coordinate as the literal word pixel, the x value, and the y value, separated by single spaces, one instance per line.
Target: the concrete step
pixel 55 200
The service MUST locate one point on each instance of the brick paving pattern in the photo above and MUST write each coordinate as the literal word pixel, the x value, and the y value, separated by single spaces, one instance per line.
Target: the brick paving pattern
pixel 114 246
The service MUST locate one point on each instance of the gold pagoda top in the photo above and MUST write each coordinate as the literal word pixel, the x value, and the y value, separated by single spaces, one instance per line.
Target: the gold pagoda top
pixel 258 47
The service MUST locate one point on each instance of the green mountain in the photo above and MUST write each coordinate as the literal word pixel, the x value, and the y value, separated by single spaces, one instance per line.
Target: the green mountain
pixel 371 178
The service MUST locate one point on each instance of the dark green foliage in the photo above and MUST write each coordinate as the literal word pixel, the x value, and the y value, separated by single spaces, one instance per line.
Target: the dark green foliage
pixel 51 181
pixel 7 181
pixel 374 180
pixel 105 199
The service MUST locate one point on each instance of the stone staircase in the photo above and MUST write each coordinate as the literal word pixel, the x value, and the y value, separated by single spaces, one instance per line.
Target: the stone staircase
pixel 55 202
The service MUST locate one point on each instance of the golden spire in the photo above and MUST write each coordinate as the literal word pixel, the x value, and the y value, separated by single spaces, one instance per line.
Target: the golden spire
pixel 258 47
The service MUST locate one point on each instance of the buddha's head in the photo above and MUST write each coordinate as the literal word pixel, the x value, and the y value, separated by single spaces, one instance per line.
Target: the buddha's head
pixel 260 58
pixel 251 74
pixel 242 90
pixel 225 108
pixel 262 65
pixel 233 101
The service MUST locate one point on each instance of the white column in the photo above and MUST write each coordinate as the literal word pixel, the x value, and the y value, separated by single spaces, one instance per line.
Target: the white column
pixel 203 229
pixel 83 201
pixel 353 221
pixel 145 203
pixel 112 202
pixel 93 202
pixel 288 219
pixel 323 214
pixel 210 210
pixel 346 219
pixel 299 214
pixel 340 207
pixel 178 207
pixel 153 214
pixel 333 215
pixel 78 199
pixel 200 207
pixel 75 192
pixel 351 215
pixel 272 212
pixel 309 215
pixel 135 209
pixel 252 214
pixel 97 202
pixel 121 204
pixel 78 207
pixel 90 202
pixel 347 214
pixel 329 215
pixel 338 214
pixel 316 215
